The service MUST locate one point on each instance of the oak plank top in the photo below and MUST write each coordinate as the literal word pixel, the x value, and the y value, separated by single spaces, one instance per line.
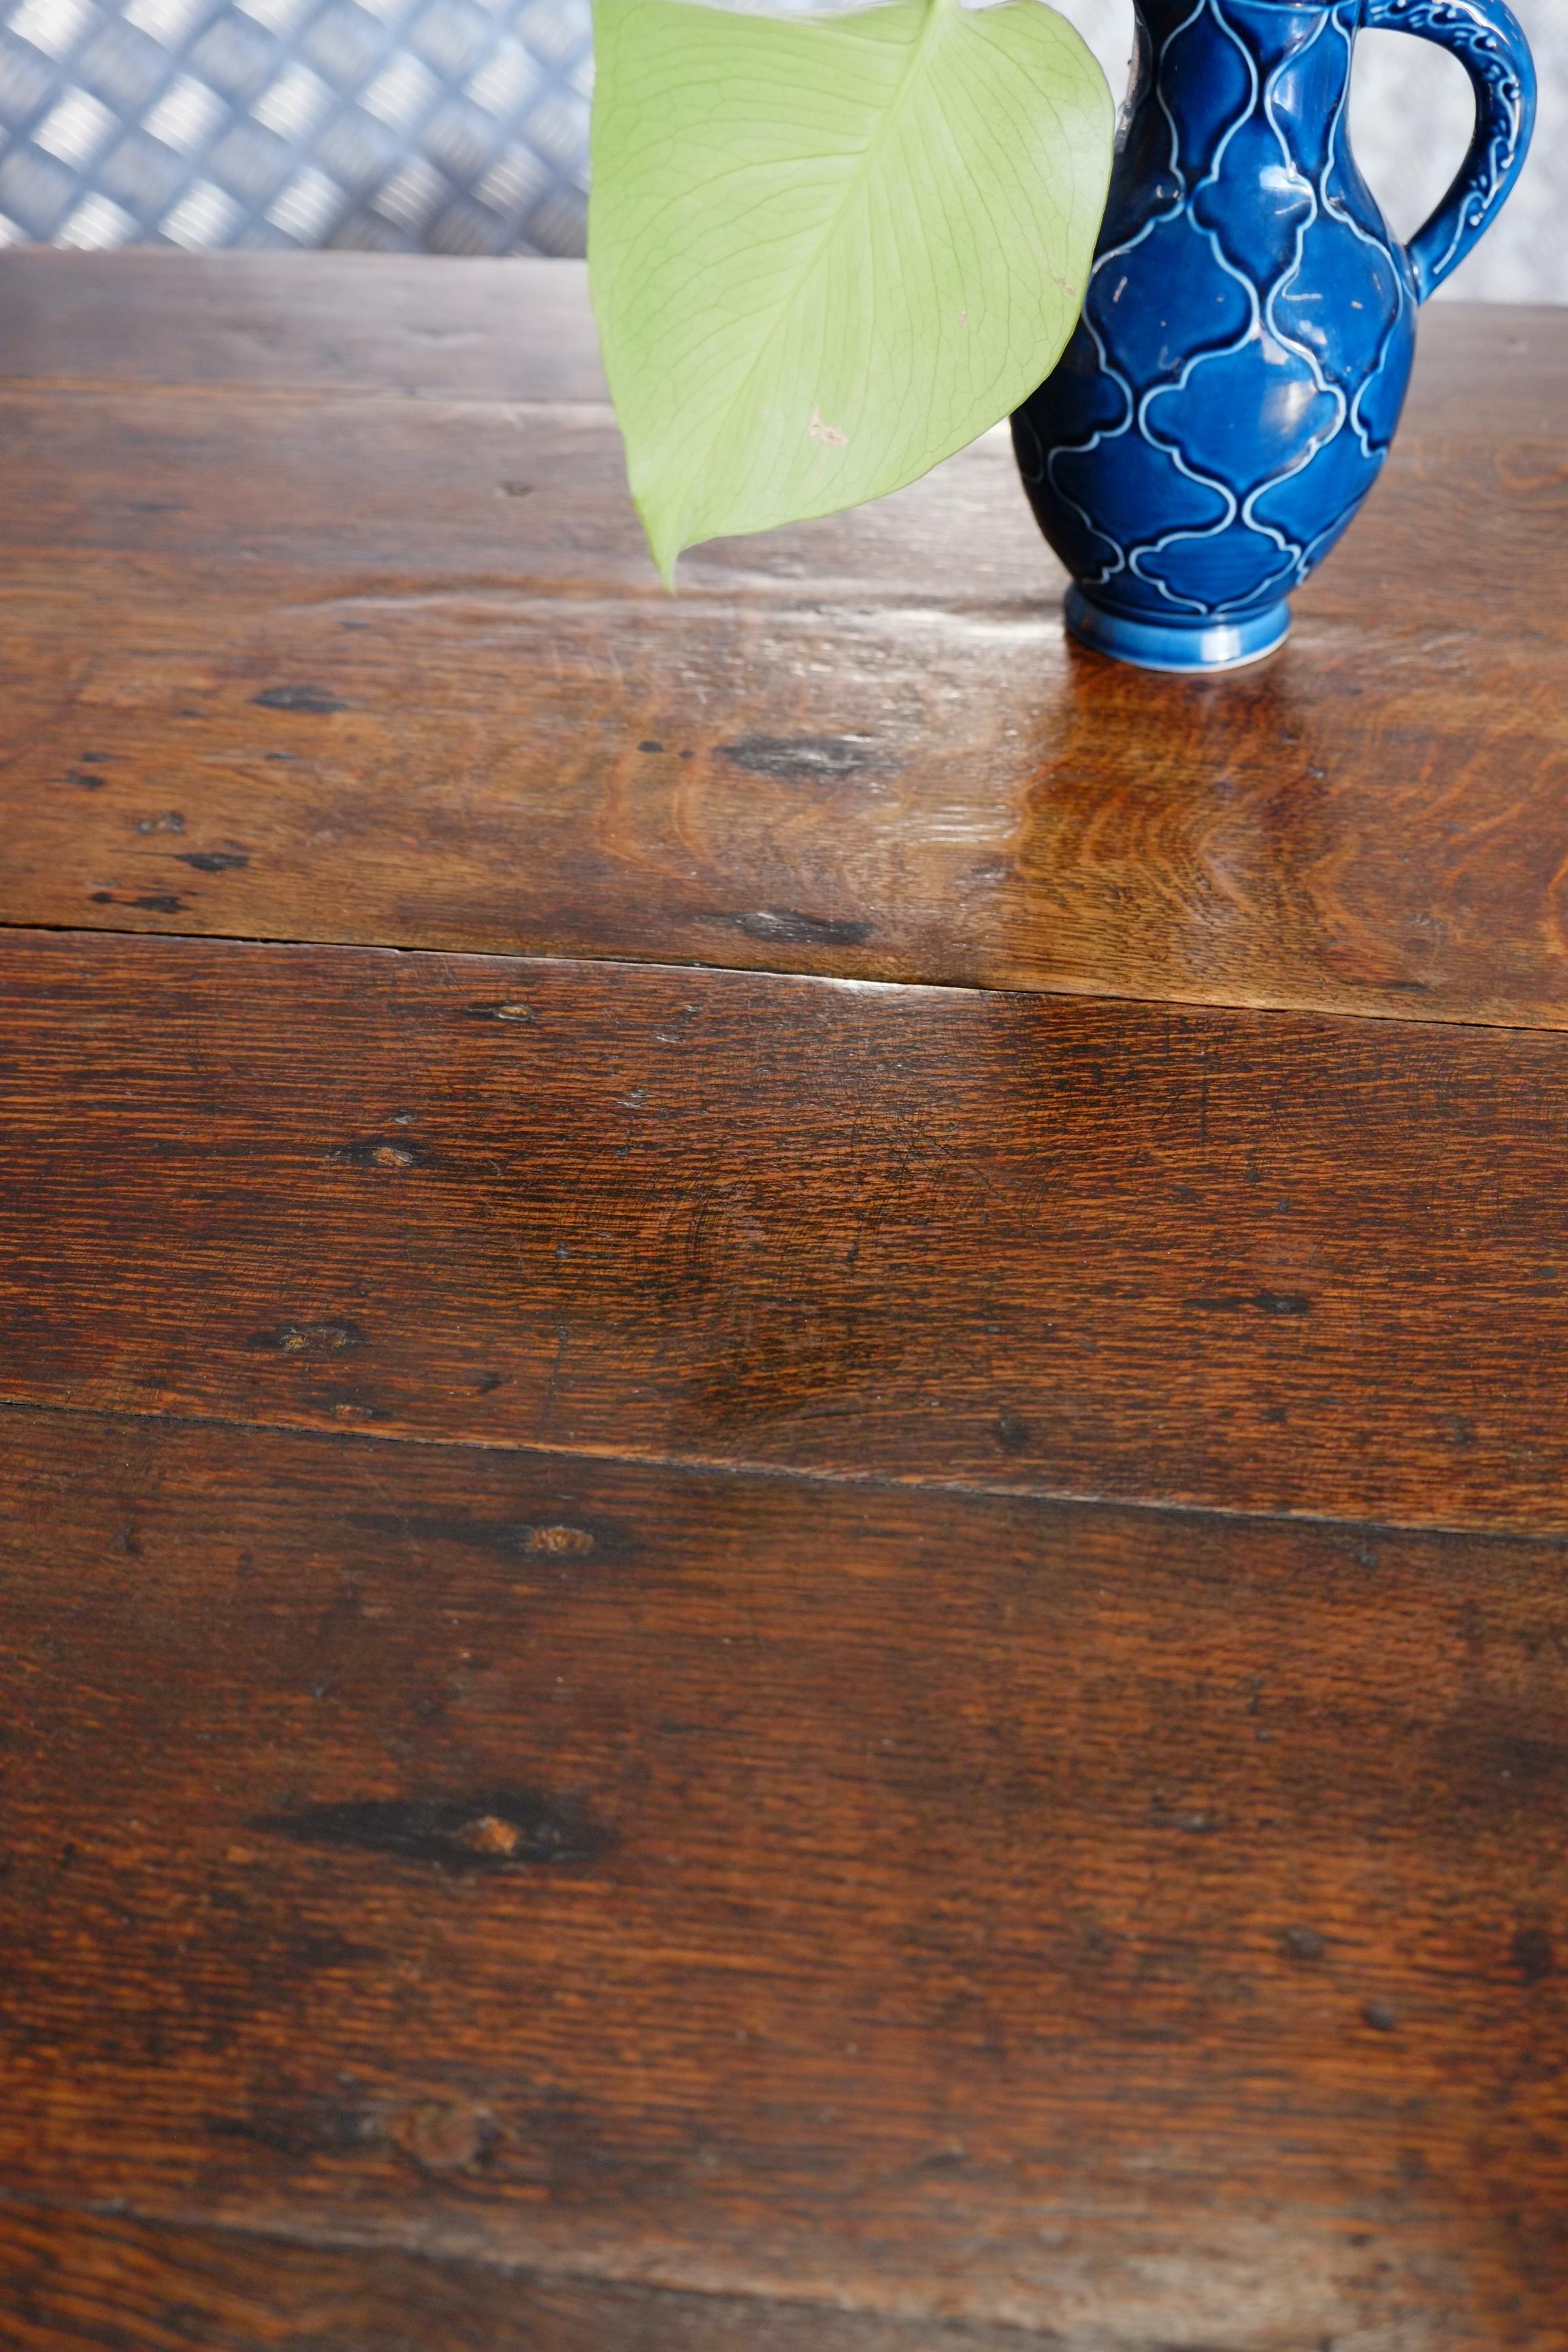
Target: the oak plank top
pixel 244 323
pixel 1080 1247
pixel 380 641
pixel 1117 1924
pixel 782 1378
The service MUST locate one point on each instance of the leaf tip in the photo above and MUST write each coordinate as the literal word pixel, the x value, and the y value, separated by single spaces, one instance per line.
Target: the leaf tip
pixel 664 544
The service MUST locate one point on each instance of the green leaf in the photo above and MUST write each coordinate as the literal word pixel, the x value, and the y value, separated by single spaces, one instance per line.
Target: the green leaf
pixel 827 253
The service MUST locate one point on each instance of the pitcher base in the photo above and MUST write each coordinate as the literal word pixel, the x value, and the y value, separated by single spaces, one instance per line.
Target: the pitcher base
pixel 1173 645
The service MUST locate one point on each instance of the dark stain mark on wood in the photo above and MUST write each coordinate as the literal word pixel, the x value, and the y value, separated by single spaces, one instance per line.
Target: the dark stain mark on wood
pixel 315 699
pixel 1012 1434
pixel 1533 1955
pixel 212 861
pixel 86 781
pixel 377 1152
pixel 159 903
pixel 802 758
pixel 307 1340
pixel 1258 1302
pixel 314 2129
pixel 1380 2015
pixel 1304 1944
pixel 487 1383
pixel 505 1539
pixel 517 489
pixel 650 746
pixel 1487 1765
pixel 311 1953
pixel 789 926
pixel 492 1830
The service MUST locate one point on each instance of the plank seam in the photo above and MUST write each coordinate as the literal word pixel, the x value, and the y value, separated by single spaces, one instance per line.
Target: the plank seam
pixel 796 1474
pixel 803 977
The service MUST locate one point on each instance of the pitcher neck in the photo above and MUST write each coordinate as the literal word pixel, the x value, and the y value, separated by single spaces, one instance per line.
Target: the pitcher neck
pixel 1182 46
pixel 1160 19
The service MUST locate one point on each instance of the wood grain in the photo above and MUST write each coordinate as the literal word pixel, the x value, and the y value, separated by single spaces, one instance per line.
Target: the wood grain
pixel 400 325
pixel 599 1745
pixel 1137 1928
pixel 414 325
pixel 70 2280
pixel 1261 1262
pixel 874 751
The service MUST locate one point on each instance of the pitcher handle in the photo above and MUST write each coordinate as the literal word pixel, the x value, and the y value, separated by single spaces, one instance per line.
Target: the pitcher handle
pixel 1489 43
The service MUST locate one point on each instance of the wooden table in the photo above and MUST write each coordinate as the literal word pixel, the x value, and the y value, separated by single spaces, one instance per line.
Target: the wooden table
pixel 784 1508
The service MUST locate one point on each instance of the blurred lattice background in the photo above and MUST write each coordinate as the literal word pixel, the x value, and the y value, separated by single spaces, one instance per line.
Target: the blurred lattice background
pixel 460 126
pixel 442 126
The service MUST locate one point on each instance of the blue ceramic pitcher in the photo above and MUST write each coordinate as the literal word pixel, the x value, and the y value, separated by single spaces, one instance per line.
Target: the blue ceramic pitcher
pixel 1235 381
